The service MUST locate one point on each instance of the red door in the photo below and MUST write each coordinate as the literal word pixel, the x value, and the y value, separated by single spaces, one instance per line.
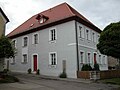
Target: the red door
pixel 35 62
pixel 95 58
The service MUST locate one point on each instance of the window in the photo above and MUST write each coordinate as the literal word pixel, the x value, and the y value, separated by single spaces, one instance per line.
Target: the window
pixel 99 58
pixel 88 58
pixel 82 57
pixel 13 60
pixel 87 34
pixel 80 29
pixel 93 35
pixel 104 60
pixel 53 35
pixel 25 41
pixel 35 38
pixel 24 60
pixel 53 59
pixel 14 42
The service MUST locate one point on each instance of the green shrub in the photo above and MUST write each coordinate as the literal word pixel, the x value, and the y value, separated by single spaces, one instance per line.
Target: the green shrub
pixel 29 71
pixel 5 70
pixel 96 67
pixel 63 75
pixel 38 72
pixel 86 67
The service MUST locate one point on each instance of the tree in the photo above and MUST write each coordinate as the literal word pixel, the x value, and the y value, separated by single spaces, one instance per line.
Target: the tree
pixel 6 48
pixel 109 41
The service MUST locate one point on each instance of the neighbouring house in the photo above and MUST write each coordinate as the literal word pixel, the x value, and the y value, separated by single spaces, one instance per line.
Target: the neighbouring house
pixel 3 21
pixel 56 39
pixel 113 63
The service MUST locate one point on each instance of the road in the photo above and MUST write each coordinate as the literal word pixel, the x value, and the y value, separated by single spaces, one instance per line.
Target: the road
pixel 36 83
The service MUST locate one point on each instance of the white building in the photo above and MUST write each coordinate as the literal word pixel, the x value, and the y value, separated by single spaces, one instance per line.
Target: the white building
pixel 54 39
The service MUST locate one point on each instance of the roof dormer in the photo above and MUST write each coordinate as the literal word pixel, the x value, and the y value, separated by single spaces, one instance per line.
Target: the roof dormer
pixel 41 18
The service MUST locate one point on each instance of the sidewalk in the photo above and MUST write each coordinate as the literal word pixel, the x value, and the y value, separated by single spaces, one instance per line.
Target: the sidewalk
pixel 78 80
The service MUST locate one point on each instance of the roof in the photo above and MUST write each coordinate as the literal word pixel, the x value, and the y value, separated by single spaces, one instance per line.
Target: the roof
pixel 56 15
pixel 4 15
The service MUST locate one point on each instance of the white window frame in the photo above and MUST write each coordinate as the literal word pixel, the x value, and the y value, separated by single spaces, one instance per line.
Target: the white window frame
pixel 100 59
pixel 23 41
pixel 33 38
pixel 89 61
pixel 50 36
pixel 15 44
pixel 93 57
pixel 12 60
pixel 82 62
pixel 23 61
pixel 103 59
pixel 50 61
pixel 88 36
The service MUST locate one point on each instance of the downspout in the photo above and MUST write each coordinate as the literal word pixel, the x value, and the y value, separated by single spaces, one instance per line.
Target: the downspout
pixel 77 45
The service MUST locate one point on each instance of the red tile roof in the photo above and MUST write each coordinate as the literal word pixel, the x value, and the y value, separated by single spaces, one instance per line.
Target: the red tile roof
pixel 55 14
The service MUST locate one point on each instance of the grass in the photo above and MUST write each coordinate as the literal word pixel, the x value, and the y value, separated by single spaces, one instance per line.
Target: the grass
pixel 9 79
pixel 115 81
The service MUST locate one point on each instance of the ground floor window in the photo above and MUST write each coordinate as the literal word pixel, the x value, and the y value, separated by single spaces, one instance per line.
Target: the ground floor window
pixel 24 58
pixel 53 58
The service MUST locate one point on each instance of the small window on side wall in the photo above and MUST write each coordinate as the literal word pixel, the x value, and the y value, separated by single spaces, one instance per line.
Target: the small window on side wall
pixel 25 41
pixel 24 58
pixel 53 58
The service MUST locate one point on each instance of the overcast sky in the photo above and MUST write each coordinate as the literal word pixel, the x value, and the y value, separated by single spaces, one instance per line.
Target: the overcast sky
pixel 99 12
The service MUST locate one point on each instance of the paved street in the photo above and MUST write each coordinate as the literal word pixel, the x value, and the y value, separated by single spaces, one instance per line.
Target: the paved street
pixel 28 82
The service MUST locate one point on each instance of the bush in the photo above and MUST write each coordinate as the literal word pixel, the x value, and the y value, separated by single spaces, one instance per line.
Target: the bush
pixel 5 70
pixel 96 67
pixel 38 72
pixel 86 67
pixel 63 75
pixel 29 71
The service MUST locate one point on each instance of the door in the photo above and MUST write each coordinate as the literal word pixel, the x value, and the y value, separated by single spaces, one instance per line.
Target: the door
pixel 34 62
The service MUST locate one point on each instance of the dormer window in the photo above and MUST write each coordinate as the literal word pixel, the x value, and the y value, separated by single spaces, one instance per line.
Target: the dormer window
pixel 41 18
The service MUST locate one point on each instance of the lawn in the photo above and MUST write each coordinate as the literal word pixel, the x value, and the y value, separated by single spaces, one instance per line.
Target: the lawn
pixel 111 81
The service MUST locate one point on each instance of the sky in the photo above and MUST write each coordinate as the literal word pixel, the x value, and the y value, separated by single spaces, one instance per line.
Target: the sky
pixel 99 12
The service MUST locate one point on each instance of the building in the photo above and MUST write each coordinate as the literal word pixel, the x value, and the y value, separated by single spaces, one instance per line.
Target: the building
pixel 56 39
pixel 3 21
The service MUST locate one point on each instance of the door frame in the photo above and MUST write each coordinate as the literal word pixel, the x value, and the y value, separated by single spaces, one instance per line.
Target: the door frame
pixel 32 64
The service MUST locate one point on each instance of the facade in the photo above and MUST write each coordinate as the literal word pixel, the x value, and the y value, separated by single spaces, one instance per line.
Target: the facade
pixel 3 22
pixel 52 41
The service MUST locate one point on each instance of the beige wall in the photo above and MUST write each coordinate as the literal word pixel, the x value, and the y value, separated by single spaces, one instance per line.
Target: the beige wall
pixel 2 26
pixel 112 61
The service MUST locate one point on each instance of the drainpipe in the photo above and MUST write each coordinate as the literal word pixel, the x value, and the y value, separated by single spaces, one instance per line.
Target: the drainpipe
pixel 76 34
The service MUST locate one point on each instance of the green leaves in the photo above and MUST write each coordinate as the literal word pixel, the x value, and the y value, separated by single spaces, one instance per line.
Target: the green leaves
pixel 6 49
pixel 109 41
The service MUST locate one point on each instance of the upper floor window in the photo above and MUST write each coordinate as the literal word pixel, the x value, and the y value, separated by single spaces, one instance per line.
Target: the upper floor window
pixel 52 34
pixel 35 39
pixel 80 29
pixel 25 41
pixel 14 42
pixel 87 34
pixel 53 58
pixel 93 37
pixel 81 32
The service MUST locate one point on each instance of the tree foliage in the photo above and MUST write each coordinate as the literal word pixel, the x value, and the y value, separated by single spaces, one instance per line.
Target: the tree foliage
pixel 109 41
pixel 6 48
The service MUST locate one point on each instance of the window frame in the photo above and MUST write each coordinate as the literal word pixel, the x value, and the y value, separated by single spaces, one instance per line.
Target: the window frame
pixel 33 38
pixel 23 42
pixel 23 59
pixel 82 61
pixel 50 58
pixel 52 35
pixel 15 43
